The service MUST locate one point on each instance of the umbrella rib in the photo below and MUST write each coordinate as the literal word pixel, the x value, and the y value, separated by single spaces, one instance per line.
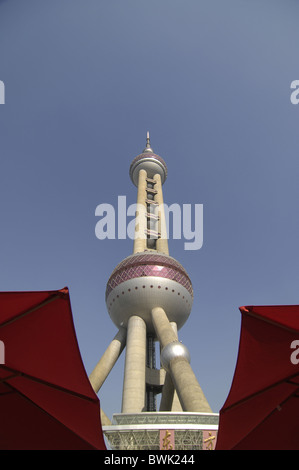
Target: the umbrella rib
pixel 44 382
pixel 271 322
pixel 244 400
pixel 277 408
pixel 9 377
pixel 32 309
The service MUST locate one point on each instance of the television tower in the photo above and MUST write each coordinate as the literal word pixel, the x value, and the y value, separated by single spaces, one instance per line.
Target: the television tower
pixel 149 297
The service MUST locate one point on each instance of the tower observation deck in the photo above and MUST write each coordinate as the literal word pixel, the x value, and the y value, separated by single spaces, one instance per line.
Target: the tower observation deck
pixel 149 297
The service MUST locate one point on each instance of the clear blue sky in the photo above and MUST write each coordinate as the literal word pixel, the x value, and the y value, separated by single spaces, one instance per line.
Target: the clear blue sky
pixel 84 81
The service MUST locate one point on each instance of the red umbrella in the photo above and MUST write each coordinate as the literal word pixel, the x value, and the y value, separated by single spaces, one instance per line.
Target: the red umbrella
pixel 46 400
pixel 261 411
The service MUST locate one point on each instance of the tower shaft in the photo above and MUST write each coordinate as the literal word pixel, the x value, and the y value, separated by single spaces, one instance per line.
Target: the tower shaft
pixel 162 241
pixel 140 241
pixel 151 229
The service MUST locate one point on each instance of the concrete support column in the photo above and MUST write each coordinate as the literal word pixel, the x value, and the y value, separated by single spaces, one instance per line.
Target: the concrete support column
pixel 134 378
pixel 167 394
pixel 107 361
pixel 169 398
pixel 188 389
pixel 176 404
pixel 162 243
pixel 141 220
pixel 163 328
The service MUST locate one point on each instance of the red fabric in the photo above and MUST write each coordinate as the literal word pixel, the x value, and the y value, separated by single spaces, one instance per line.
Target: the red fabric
pixel 262 407
pixel 46 400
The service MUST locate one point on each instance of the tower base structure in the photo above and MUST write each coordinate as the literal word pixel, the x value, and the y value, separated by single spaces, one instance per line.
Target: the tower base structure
pixel 162 431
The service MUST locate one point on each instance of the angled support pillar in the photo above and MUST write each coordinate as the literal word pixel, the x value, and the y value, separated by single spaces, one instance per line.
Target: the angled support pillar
pixel 176 360
pixel 169 398
pixel 107 361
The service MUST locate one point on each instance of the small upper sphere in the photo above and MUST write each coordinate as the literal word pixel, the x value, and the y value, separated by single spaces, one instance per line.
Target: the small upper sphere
pixel 150 162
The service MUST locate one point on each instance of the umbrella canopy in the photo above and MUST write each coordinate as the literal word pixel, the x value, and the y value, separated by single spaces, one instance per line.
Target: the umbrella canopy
pixel 46 400
pixel 261 411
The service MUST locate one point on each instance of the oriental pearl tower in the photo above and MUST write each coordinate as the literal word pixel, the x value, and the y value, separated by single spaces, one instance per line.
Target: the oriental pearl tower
pixel 149 296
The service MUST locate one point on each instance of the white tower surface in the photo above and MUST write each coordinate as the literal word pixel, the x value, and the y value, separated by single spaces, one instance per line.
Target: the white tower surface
pixel 149 297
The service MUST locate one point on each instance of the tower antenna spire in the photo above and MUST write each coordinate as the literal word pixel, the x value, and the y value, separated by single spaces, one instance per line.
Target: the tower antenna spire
pixel 148 144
